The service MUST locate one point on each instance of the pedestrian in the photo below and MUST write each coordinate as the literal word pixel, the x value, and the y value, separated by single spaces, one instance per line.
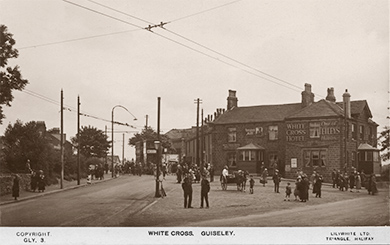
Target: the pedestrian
pixel 276 178
pixel 358 182
pixel 178 173
pixel 288 191
pixel 297 186
pixel 334 180
pixel 41 181
pixel 15 187
pixel 351 181
pixel 211 173
pixel 346 181
pixel 304 189
pixel 313 179
pixel 318 185
pixel 187 189
pixel 264 176
pixel 251 184
pixel 204 191
pixel 33 181
pixel 374 189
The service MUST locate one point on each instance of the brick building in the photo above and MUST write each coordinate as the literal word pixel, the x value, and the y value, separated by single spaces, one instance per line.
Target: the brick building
pixel 309 135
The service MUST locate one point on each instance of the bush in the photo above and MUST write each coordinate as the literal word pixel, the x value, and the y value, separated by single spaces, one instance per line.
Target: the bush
pixel 385 173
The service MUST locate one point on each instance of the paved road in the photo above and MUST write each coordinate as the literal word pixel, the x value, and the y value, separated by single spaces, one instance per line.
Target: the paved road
pixel 103 204
pixel 370 211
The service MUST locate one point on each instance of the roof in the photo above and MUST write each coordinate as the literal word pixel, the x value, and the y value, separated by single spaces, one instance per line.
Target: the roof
pixel 357 106
pixel 263 113
pixel 322 108
pixel 251 146
pixel 366 147
pixel 274 113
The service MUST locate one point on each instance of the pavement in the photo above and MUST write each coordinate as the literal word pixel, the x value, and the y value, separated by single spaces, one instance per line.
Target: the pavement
pixel 67 185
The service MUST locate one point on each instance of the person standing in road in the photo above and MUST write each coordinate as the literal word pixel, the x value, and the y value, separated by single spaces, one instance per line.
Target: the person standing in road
pixel 211 173
pixel 41 181
pixel 334 178
pixel 251 184
pixel 318 186
pixel 34 181
pixel 288 192
pixel 276 178
pixel 204 190
pixel 264 176
pixel 358 182
pixel 187 188
pixel 352 181
pixel 15 187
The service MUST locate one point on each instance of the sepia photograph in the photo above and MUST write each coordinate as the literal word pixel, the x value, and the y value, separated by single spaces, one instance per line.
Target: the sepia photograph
pixel 194 122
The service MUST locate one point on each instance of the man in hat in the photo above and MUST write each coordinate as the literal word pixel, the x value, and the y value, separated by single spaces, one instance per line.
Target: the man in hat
pixel 276 178
pixel 204 190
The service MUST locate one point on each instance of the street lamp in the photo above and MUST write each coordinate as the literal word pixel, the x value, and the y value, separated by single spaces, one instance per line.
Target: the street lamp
pixel 157 145
pixel 112 135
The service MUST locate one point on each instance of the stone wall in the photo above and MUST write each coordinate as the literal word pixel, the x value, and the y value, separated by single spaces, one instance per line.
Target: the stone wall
pixel 6 181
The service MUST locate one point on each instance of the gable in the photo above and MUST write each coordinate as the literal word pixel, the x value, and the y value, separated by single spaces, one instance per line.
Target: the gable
pixel 318 109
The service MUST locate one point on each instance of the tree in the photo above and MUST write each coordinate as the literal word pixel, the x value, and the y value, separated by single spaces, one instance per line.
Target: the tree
pixel 93 142
pixel 149 134
pixel 10 78
pixel 22 142
pixel 384 143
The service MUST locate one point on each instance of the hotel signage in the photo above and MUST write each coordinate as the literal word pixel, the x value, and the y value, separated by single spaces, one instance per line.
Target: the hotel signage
pixel 323 130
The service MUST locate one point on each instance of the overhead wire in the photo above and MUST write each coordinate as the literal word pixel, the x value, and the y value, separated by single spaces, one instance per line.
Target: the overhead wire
pixel 77 39
pixel 68 108
pixel 184 45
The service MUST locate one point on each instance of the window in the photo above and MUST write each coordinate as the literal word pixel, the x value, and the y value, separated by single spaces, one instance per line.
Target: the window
pixel 376 156
pixel 315 130
pixel 249 155
pixel 273 132
pixel 232 137
pixel 273 160
pixel 354 131
pixel 231 157
pixel 369 156
pixel 370 134
pixel 306 156
pixel 315 158
pixel 361 132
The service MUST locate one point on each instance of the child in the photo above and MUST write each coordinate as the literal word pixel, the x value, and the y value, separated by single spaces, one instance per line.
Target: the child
pixel 251 184
pixel 288 192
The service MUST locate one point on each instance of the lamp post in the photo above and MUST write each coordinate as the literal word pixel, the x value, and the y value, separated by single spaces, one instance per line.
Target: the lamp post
pixel 157 147
pixel 112 135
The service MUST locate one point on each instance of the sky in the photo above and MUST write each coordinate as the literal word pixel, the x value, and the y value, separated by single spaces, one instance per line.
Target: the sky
pixel 264 50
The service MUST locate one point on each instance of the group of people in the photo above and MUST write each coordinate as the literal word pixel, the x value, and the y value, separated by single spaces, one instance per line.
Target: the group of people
pixel 186 184
pixel 354 180
pixel 37 182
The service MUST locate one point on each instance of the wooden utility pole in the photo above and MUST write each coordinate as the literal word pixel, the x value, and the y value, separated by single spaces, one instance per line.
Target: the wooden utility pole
pixel 62 139
pixel 202 145
pixel 78 140
pixel 123 150
pixel 197 133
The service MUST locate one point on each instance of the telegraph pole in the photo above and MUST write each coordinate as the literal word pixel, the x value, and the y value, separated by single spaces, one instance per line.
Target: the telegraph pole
pixel 123 149
pixel 202 145
pixel 78 140
pixel 197 132
pixel 62 139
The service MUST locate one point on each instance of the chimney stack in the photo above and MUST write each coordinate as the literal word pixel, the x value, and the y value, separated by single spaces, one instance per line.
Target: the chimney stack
pixel 307 96
pixel 232 100
pixel 347 104
pixel 330 97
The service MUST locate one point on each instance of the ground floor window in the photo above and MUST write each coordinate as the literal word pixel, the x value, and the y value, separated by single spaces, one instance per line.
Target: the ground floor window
pixel 315 157
pixel 231 159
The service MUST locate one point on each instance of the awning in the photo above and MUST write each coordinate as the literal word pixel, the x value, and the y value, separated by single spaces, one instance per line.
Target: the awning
pixel 251 146
pixel 367 147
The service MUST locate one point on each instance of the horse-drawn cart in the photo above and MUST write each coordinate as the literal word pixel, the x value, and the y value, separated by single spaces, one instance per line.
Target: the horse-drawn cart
pixel 237 178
